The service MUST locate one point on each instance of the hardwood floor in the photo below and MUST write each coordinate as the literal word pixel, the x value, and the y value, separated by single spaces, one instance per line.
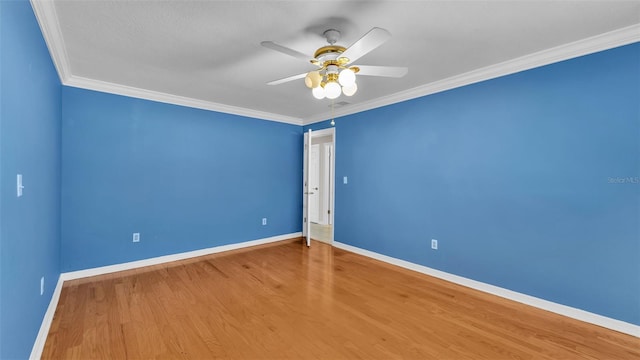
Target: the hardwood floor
pixel 285 301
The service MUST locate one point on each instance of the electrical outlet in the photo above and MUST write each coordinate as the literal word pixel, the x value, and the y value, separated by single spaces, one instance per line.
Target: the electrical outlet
pixel 136 237
pixel 264 221
pixel 434 244
pixel 42 285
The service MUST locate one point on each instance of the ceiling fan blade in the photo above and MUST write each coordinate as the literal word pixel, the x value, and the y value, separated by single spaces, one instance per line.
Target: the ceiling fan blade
pixel 285 50
pixel 387 71
pixel 287 79
pixel 369 41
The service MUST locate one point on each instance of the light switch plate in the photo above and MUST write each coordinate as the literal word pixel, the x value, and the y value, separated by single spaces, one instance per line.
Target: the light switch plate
pixel 19 185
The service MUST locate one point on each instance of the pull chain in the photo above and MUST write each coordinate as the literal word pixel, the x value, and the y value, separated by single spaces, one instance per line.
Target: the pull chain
pixel 333 121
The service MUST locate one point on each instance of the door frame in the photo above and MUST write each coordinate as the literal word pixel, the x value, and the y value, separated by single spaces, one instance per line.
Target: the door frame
pixel 332 167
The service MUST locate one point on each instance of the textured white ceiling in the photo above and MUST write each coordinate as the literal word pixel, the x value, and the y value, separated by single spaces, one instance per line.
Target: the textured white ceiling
pixel 210 51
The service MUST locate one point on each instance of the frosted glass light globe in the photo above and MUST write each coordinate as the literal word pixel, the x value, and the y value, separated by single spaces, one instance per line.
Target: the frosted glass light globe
pixel 307 81
pixel 313 79
pixel 318 92
pixel 350 90
pixel 332 89
pixel 347 77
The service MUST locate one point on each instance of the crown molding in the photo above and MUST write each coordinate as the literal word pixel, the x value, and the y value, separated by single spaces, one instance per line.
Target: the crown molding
pixel 47 19
pixel 49 25
pixel 601 42
pixel 118 89
pixel 45 12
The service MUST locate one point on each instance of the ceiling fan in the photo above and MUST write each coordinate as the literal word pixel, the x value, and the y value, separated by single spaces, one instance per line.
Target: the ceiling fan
pixel 335 73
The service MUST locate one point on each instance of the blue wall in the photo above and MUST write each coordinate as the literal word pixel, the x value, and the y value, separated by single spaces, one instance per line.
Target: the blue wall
pixel 513 177
pixel 184 178
pixel 529 181
pixel 30 114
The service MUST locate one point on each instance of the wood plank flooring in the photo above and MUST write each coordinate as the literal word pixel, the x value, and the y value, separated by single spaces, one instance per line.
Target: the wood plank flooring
pixel 285 301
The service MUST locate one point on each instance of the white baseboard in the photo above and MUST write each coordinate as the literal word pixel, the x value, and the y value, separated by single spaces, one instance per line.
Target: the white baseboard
pixel 38 345
pixel 613 324
pixel 173 257
pixel 606 322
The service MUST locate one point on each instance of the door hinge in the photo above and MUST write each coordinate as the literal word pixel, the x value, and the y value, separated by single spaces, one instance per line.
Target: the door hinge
pixel 328 211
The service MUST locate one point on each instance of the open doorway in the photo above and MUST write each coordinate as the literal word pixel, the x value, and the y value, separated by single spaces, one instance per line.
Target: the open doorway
pixel 321 185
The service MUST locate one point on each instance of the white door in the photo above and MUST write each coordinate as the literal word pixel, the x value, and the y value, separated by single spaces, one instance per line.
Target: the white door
pixel 306 225
pixel 314 184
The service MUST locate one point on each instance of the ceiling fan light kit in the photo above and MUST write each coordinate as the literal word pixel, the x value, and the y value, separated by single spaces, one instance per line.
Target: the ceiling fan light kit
pixel 347 77
pixel 318 92
pixel 350 90
pixel 335 75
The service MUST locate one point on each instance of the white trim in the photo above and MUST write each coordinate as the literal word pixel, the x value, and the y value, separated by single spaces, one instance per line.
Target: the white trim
pixel 48 20
pixel 617 325
pixel 323 132
pixel 173 257
pixel 609 323
pixel 41 339
pixel 38 346
pixel 45 12
pixel 331 131
pixel 112 88
pixel 601 42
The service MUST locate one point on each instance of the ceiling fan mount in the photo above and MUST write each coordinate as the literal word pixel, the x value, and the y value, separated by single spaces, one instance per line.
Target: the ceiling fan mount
pixel 332 36
pixel 335 73
pixel 330 54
